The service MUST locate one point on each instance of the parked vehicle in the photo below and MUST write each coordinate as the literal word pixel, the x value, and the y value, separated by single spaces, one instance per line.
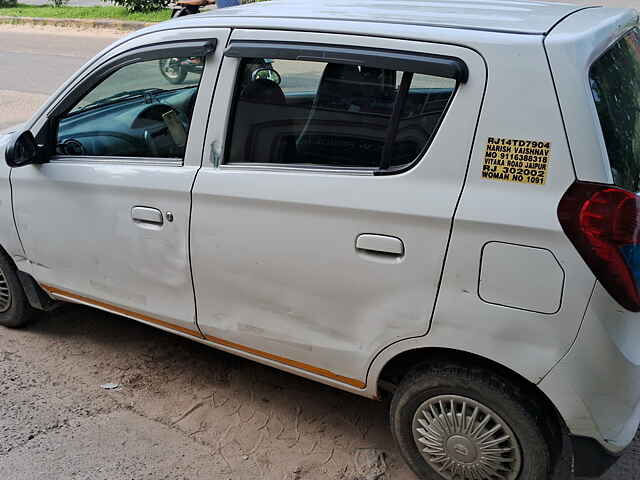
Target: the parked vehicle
pixel 175 70
pixel 421 201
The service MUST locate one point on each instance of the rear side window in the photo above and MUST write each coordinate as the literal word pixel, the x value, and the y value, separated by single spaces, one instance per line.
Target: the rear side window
pixel 311 113
pixel 615 83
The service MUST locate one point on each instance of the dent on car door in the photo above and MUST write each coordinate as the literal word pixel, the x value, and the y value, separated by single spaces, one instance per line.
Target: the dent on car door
pixel 319 231
pixel 105 221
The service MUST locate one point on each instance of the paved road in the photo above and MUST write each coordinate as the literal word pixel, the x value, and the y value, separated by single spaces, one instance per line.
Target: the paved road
pixel 182 410
pixel 36 63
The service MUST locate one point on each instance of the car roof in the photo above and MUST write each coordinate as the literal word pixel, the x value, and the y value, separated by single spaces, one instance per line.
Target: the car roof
pixel 513 16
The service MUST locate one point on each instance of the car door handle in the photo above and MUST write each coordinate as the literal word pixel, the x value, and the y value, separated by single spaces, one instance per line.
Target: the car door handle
pixel 380 244
pixel 147 215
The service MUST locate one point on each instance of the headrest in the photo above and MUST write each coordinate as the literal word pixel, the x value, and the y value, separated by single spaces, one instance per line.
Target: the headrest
pixel 263 91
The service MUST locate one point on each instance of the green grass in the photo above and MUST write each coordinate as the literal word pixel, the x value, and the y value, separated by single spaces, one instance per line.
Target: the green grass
pixel 118 13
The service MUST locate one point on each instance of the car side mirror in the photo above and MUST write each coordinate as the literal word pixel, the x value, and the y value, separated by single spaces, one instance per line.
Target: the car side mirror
pixel 22 150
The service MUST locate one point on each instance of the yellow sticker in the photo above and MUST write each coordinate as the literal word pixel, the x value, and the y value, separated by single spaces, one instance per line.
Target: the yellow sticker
pixel 515 160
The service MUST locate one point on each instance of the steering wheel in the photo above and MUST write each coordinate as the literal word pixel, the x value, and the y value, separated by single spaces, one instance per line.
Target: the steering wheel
pixel 165 129
pixel 89 143
pixel 71 146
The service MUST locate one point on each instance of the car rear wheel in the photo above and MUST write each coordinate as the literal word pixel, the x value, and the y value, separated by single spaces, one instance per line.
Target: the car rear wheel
pixel 454 422
pixel 15 310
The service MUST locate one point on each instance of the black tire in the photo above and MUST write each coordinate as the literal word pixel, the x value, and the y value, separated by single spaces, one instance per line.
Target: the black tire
pixel 18 313
pixel 502 397
pixel 173 72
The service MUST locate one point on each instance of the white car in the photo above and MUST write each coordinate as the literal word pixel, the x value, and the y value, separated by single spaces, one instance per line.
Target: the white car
pixel 429 201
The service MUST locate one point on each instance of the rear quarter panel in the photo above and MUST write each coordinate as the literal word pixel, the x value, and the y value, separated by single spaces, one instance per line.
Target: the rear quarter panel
pixel 520 103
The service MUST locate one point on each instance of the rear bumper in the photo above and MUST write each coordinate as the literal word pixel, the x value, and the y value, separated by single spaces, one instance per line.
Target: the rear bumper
pixel 591 459
pixel 596 386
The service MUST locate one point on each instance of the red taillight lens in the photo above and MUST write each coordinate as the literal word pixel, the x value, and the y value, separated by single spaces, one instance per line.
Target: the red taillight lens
pixel 603 224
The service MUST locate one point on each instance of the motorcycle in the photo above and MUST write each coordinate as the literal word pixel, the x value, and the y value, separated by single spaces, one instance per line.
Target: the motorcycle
pixel 175 69
pixel 188 7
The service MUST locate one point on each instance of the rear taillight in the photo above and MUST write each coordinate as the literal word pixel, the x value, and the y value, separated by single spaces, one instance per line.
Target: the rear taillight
pixel 603 223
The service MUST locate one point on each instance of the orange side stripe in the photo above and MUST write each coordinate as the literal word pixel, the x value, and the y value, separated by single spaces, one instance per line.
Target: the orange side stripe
pixel 276 358
pixel 292 363
pixel 123 311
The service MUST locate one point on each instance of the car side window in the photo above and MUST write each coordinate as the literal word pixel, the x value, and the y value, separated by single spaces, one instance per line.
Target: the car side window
pixel 311 113
pixel 141 110
pixel 615 85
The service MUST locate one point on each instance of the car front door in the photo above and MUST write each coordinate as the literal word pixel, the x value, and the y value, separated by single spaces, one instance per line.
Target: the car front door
pixel 323 209
pixel 105 221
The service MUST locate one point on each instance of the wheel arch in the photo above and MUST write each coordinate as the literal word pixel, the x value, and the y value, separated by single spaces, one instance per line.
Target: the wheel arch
pixel 15 260
pixel 36 296
pixel 395 368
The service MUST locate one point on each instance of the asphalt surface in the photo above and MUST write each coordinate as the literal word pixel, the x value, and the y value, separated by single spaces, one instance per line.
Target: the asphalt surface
pixel 181 410
pixel 35 63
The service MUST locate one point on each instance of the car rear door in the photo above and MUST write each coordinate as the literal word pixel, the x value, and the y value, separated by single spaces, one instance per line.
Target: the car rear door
pixel 105 221
pixel 306 252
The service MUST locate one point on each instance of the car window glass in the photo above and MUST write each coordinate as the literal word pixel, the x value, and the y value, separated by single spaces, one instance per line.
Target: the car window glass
pixel 298 77
pixel 333 115
pixel 615 84
pixel 142 110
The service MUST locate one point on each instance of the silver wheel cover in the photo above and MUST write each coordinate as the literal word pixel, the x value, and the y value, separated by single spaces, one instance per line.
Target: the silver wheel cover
pixel 5 293
pixel 461 439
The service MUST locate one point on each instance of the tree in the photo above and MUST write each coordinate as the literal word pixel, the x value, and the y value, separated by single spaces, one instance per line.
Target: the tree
pixel 141 5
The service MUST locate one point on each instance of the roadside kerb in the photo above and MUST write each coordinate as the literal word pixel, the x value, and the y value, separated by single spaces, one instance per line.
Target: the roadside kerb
pixel 81 23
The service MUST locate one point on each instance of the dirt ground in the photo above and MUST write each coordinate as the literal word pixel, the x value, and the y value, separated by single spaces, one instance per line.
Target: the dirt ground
pixel 182 410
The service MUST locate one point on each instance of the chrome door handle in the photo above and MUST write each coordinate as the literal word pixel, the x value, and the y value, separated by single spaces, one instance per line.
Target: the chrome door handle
pixel 147 215
pixel 380 244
